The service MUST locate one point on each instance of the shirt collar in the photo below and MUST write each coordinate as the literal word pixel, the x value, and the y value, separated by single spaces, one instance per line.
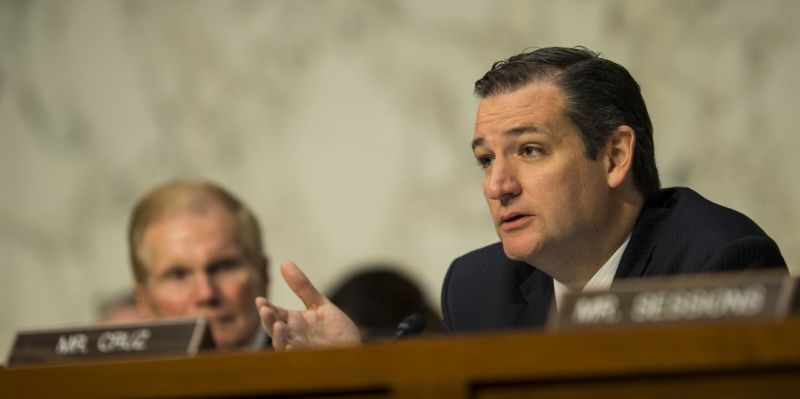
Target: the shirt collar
pixel 602 279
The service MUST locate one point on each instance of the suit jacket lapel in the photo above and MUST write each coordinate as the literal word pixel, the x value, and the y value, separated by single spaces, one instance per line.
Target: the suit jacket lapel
pixel 537 289
pixel 644 239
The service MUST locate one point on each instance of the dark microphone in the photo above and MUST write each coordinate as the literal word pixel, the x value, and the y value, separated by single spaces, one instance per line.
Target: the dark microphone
pixel 413 324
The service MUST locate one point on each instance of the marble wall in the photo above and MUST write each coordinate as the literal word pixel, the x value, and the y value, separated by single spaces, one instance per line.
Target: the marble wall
pixel 346 124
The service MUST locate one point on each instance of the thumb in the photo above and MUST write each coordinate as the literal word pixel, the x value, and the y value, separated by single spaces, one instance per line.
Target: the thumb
pixel 301 286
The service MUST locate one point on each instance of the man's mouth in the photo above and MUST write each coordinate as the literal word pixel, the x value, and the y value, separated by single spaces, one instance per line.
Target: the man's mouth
pixel 220 319
pixel 513 221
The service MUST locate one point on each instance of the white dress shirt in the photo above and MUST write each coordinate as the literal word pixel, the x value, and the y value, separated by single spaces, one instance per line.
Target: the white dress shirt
pixel 602 279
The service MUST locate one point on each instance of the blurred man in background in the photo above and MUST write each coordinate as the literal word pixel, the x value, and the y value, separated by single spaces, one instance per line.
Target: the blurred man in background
pixel 196 250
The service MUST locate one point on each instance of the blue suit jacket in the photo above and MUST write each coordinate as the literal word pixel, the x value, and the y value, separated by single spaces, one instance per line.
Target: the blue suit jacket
pixel 677 232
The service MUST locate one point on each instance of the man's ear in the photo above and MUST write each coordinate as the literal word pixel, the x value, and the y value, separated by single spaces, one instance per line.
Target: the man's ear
pixel 143 301
pixel 619 155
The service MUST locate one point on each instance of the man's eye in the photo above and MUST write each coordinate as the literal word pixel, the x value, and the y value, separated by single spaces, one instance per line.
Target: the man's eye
pixel 176 274
pixel 484 161
pixel 530 151
pixel 225 265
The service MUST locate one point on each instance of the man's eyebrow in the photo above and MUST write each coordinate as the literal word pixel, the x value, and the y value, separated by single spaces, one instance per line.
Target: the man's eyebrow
pixel 517 131
pixel 175 267
pixel 229 260
pixel 521 130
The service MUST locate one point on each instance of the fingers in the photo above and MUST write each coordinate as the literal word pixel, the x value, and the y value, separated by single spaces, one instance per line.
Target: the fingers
pixel 261 302
pixel 280 313
pixel 274 319
pixel 279 338
pixel 270 314
pixel 268 318
pixel 301 286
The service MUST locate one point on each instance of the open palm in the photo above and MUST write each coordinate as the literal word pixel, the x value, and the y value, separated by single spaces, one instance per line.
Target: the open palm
pixel 322 324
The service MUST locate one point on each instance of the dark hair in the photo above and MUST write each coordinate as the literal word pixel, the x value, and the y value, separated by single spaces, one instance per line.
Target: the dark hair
pixel 600 95
pixel 378 297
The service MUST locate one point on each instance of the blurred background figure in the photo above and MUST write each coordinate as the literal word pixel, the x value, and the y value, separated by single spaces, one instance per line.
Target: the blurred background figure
pixel 378 297
pixel 196 250
pixel 119 308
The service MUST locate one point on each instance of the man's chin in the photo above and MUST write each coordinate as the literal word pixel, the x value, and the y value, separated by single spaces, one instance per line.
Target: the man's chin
pixel 225 338
pixel 517 252
pixel 225 341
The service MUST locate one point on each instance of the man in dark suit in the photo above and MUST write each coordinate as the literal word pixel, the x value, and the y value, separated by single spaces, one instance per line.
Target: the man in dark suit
pixel 678 232
pixel 566 145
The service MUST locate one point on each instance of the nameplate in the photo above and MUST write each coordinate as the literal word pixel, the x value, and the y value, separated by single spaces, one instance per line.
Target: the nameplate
pixel 184 336
pixel 680 299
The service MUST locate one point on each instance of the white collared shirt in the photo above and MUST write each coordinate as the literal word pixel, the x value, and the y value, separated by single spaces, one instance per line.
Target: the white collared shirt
pixel 602 279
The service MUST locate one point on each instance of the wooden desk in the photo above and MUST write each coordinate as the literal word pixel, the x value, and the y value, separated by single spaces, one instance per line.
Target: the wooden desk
pixel 691 361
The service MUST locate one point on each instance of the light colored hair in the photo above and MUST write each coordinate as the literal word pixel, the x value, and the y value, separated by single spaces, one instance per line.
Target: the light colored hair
pixel 181 196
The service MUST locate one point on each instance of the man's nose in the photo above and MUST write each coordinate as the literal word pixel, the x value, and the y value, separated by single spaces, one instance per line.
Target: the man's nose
pixel 205 290
pixel 503 184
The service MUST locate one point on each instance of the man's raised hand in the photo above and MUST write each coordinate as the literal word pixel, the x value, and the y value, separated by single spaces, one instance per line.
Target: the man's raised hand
pixel 322 324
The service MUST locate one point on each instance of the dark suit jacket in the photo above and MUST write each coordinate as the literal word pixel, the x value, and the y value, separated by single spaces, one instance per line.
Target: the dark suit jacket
pixel 677 232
